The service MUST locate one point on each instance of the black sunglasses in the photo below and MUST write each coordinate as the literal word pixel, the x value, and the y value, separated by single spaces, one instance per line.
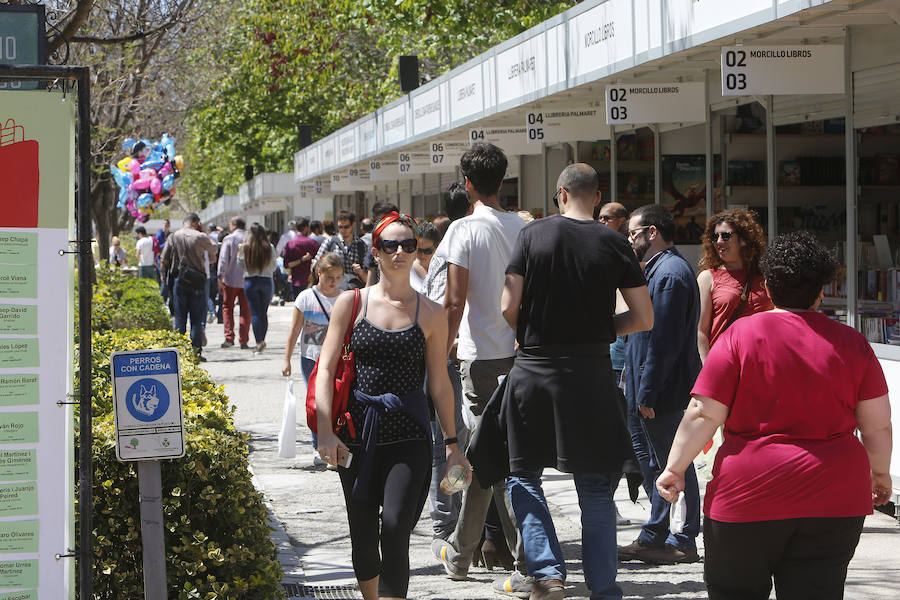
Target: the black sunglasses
pixel 725 235
pixel 390 246
pixel 425 250
pixel 556 195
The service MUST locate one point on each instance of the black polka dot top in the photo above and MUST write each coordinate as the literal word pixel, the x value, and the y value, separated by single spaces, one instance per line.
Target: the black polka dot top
pixel 387 361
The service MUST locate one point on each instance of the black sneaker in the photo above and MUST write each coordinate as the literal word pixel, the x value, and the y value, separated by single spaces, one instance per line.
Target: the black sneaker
pixel 227 344
pixel 201 358
pixel 245 346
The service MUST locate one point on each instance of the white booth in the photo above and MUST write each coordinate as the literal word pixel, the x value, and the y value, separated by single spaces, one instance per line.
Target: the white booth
pixel 788 107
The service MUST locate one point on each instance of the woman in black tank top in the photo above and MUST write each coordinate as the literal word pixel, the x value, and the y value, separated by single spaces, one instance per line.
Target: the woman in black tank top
pixel 397 337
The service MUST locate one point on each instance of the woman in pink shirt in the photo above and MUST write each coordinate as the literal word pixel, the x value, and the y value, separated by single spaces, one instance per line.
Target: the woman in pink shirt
pixel 791 483
pixel 731 284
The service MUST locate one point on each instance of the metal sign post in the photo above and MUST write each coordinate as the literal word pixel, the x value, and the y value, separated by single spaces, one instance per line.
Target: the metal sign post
pixel 149 426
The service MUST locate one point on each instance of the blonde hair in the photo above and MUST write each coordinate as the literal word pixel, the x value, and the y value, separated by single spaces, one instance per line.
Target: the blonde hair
pixel 329 261
pixel 525 216
pixel 115 240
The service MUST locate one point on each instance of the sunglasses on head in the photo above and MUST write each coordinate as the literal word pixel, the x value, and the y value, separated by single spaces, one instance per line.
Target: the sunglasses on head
pixel 725 235
pixel 425 250
pixel 390 246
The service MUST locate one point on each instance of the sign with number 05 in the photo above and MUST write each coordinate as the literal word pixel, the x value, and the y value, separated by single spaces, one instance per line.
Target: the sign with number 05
pixel 655 103
pixel 776 70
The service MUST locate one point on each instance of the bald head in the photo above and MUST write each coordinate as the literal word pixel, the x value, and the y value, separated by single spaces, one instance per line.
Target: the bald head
pixel 614 215
pixel 580 180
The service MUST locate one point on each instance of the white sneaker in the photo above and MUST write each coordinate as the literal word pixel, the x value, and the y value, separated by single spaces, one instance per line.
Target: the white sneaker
pixel 620 520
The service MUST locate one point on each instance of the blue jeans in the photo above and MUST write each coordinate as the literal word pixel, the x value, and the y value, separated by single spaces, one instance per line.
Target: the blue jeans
pixel 306 367
pixel 259 292
pixel 660 433
pixel 191 303
pixel 543 554
pixel 641 447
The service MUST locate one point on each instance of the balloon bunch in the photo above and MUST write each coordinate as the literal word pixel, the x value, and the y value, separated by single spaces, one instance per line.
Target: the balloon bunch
pixel 146 177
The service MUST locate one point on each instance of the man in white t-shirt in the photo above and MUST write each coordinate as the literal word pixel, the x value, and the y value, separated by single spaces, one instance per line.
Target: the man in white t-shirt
pixel 478 249
pixel 145 255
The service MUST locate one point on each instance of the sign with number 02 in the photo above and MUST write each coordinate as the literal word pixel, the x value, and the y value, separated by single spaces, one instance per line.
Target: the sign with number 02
pixel 752 70
pixel 655 103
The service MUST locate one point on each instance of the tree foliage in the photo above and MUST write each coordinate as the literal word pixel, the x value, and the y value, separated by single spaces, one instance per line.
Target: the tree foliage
pixel 279 63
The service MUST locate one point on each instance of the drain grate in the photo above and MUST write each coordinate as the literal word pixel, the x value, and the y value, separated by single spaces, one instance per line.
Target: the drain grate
pixel 322 592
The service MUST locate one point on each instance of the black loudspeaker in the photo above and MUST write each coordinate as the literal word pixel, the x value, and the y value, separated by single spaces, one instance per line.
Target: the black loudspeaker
pixel 202 204
pixel 304 135
pixel 408 66
pixel 248 172
pixel 220 191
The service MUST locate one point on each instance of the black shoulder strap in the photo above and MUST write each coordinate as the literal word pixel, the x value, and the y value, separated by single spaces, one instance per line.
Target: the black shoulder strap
pixel 319 300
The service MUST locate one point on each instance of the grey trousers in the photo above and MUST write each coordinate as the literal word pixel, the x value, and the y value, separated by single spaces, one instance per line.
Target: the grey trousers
pixel 445 509
pixel 479 380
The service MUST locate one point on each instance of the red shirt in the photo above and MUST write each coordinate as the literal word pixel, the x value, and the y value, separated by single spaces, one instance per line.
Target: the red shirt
pixel 727 288
pixel 791 382
pixel 294 250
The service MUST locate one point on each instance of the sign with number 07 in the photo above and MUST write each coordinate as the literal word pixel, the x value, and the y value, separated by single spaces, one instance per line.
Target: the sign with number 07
pixel 752 70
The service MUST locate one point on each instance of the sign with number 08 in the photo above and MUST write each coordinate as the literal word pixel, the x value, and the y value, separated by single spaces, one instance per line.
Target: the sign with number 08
pixel 776 70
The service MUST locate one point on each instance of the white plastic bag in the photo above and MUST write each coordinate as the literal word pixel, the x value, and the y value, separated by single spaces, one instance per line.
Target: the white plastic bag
pixel 677 515
pixel 287 437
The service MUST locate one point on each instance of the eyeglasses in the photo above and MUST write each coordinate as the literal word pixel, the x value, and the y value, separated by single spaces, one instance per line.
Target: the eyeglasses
pixel 633 233
pixel 556 195
pixel 425 251
pixel 345 226
pixel 725 235
pixel 607 218
pixel 390 246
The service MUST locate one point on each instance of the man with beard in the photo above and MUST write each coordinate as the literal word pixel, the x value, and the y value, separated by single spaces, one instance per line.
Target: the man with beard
pixel 660 368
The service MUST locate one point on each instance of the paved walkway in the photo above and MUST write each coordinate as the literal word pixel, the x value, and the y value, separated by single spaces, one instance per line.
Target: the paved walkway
pixel 312 536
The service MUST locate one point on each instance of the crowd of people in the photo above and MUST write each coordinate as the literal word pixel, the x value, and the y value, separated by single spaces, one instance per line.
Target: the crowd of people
pixel 497 347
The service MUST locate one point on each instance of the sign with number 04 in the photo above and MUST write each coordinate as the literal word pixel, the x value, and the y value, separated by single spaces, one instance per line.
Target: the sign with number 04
pixel 655 103
pixel 750 70
pixel 565 125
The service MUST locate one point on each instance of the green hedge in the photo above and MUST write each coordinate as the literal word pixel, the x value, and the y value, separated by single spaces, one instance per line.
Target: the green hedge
pixel 125 302
pixel 217 539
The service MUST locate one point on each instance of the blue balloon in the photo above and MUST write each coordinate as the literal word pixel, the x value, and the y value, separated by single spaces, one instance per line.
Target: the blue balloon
pixel 145 200
pixel 168 181
pixel 127 143
pixel 127 179
pixel 153 162
pixel 117 175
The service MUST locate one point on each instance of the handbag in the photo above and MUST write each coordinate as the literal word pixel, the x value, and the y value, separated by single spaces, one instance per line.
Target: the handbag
pixel 287 437
pixel 344 376
pixel 191 278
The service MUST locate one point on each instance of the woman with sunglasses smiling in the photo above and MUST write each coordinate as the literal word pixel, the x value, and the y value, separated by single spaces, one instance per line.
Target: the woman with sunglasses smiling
pixel 731 283
pixel 397 337
pixel 428 239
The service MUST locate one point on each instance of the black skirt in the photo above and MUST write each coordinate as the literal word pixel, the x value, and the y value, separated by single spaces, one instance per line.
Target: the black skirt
pixel 561 409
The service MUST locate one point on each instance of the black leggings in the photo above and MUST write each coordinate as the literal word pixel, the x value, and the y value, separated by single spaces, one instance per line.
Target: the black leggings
pixel 402 473
pixel 807 558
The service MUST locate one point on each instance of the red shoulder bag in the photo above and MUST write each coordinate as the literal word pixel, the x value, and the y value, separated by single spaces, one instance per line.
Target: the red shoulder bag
pixel 343 380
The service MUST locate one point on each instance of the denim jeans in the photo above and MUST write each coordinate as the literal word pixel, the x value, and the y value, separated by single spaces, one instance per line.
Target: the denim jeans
pixel 190 303
pixel 445 509
pixel 259 292
pixel 660 433
pixel 641 447
pixel 543 554
pixel 306 367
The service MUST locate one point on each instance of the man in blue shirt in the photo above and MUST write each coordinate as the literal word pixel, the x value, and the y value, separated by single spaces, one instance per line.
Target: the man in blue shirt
pixel 660 368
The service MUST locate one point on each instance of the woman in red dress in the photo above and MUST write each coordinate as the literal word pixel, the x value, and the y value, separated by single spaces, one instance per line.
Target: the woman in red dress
pixel 731 284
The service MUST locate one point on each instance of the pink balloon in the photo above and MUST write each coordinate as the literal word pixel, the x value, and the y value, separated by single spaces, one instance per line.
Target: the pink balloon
pixel 135 167
pixel 155 186
pixel 165 169
pixel 148 173
pixel 142 185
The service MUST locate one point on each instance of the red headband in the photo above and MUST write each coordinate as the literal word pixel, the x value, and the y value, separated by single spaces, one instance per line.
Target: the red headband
pixel 392 217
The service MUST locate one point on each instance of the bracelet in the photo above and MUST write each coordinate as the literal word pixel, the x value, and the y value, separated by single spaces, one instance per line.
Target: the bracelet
pixel 450 440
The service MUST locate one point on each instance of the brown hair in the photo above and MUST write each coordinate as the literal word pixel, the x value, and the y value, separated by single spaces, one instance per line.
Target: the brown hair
pixel 257 249
pixel 747 229
pixel 329 261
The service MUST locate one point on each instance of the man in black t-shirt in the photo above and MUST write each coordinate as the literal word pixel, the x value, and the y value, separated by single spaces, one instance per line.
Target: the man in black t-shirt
pixel 561 405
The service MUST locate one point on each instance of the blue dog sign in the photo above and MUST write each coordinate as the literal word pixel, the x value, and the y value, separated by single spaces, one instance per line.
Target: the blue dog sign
pixel 147 399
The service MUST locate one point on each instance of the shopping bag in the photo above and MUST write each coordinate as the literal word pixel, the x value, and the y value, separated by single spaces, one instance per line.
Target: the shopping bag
pixel 703 464
pixel 20 173
pixel 287 437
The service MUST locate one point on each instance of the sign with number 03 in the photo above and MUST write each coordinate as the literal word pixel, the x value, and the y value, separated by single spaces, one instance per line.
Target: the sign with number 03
pixel 750 70
pixel 655 103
